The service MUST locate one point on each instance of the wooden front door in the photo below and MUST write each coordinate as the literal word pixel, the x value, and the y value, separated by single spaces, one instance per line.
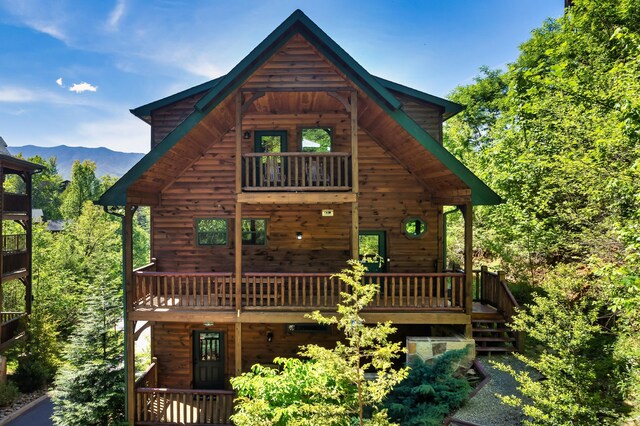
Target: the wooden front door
pixel 208 360
pixel 373 250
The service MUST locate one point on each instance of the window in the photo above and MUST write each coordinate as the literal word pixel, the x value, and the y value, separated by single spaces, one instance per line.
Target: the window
pixel 414 227
pixel 211 232
pixel 254 232
pixel 316 139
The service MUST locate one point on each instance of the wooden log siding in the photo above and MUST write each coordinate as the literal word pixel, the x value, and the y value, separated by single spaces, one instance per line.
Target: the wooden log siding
pixel 167 289
pixel 183 406
pixel 296 171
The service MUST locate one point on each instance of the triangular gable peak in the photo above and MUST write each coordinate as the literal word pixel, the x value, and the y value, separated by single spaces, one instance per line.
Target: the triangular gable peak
pixel 269 72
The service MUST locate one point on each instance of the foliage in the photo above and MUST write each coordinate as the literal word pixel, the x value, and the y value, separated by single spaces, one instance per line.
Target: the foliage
pixel 47 188
pixel 8 392
pixel 329 387
pixel 557 134
pixel 40 358
pixel 577 361
pixel 430 391
pixel 84 186
pixel 90 385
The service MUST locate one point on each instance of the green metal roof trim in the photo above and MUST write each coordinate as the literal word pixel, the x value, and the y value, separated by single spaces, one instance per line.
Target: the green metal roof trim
pixel 450 108
pixel 144 111
pixel 297 22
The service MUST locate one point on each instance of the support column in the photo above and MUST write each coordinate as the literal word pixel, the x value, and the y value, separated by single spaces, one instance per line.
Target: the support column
pixel 129 347
pixel 238 237
pixel 467 211
pixel 355 175
pixel 28 290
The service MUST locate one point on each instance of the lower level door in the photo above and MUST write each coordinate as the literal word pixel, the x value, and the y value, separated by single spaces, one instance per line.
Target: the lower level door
pixel 373 250
pixel 208 360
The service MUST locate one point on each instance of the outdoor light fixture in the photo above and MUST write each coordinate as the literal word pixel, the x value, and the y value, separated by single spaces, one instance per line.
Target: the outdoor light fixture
pixel 208 324
pixel 299 235
pixel 247 135
pixel 269 336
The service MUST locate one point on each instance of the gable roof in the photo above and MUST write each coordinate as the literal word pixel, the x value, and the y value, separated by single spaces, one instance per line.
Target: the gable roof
pixel 220 89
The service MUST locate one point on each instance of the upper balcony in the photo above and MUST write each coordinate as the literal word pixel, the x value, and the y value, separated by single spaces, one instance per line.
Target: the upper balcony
pixel 296 171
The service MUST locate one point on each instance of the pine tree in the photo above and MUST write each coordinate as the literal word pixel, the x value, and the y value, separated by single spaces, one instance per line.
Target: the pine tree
pixel 90 386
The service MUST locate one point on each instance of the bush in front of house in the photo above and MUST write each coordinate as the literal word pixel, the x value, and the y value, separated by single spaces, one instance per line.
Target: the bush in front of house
pixel 8 392
pixel 430 392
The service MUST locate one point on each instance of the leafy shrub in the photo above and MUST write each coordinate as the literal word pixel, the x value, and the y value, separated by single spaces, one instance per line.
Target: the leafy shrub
pixel 8 392
pixel 430 392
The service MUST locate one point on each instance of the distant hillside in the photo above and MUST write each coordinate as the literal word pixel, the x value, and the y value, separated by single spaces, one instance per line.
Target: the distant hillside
pixel 108 162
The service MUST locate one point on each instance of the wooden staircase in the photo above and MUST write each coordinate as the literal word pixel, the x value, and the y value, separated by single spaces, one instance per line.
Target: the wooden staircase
pixel 492 335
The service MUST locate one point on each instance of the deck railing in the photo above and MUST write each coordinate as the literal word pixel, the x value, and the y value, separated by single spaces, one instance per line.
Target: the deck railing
pixel 16 202
pixel 183 406
pixel 283 291
pixel 296 171
pixel 491 288
pixel 14 261
pixel 11 325
pixel 14 243
pixel 176 289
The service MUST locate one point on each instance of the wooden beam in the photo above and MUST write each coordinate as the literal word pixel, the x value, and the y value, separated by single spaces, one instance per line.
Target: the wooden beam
pixel 197 316
pixel 131 371
pixel 238 254
pixel 250 101
pixel 467 211
pixel 440 237
pixel 355 175
pixel 279 317
pixel 355 231
pixel 238 348
pixel 28 295
pixel 337 96
pixel 238 130
pixel 299 89
pixel 296 198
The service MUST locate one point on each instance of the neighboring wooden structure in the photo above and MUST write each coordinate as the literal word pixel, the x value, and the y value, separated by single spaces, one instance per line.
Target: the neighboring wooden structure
pixel 15 246
pixel 247 226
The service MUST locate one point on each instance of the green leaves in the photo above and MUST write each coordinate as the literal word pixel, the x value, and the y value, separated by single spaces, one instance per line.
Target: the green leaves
pixel 327 386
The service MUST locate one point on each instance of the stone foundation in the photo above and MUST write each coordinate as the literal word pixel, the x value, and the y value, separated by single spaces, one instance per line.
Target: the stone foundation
pixel 428 348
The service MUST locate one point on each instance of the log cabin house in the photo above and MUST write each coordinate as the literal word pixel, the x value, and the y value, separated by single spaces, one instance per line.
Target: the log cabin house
pixel 15 246
pixel 261 184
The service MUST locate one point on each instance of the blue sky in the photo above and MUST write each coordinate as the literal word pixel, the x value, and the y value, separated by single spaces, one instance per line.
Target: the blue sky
pixel 71 70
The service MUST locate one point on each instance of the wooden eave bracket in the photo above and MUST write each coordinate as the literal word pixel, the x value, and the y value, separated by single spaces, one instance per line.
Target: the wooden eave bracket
pixel 250 101
pixel 341 99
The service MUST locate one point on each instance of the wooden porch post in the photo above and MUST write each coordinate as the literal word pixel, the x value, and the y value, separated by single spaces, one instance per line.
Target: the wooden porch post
pixel 467 211
pixel 355 175
pixel 129 325
pixel 238 236
pixel 28 291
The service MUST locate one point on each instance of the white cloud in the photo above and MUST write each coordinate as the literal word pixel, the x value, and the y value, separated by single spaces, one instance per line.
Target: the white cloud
pixel 17 95
pixel 47 18
pixel 59 82
pixel 24 95
pixel 116 15
pixel 82 87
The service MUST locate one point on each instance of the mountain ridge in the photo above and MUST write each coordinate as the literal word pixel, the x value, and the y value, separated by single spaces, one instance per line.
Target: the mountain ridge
pixel 108 161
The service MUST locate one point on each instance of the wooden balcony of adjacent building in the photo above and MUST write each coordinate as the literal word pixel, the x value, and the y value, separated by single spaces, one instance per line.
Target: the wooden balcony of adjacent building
pixel 15 206
pixel 15 257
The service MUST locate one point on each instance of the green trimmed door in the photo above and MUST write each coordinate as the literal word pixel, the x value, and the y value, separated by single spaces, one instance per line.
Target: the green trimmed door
pixel 372 246
pixel 208 360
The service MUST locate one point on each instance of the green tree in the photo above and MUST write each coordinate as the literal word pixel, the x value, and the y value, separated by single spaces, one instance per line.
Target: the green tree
pixel 84 186
pixel 47 188
pixel 328 387
pixel 90 385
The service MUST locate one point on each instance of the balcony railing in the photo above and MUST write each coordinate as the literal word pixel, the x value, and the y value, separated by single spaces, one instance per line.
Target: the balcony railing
pixel 296 171
pixel 12 325
pixel 14 243
pixel 174 289
pixel 16 202
pixel 287 291
pixel 156 405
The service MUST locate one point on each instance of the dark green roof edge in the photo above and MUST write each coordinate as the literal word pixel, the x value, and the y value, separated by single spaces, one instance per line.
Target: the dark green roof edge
pixel 481 193
pixel 450 108
pixel 144 111
pixel 257 57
